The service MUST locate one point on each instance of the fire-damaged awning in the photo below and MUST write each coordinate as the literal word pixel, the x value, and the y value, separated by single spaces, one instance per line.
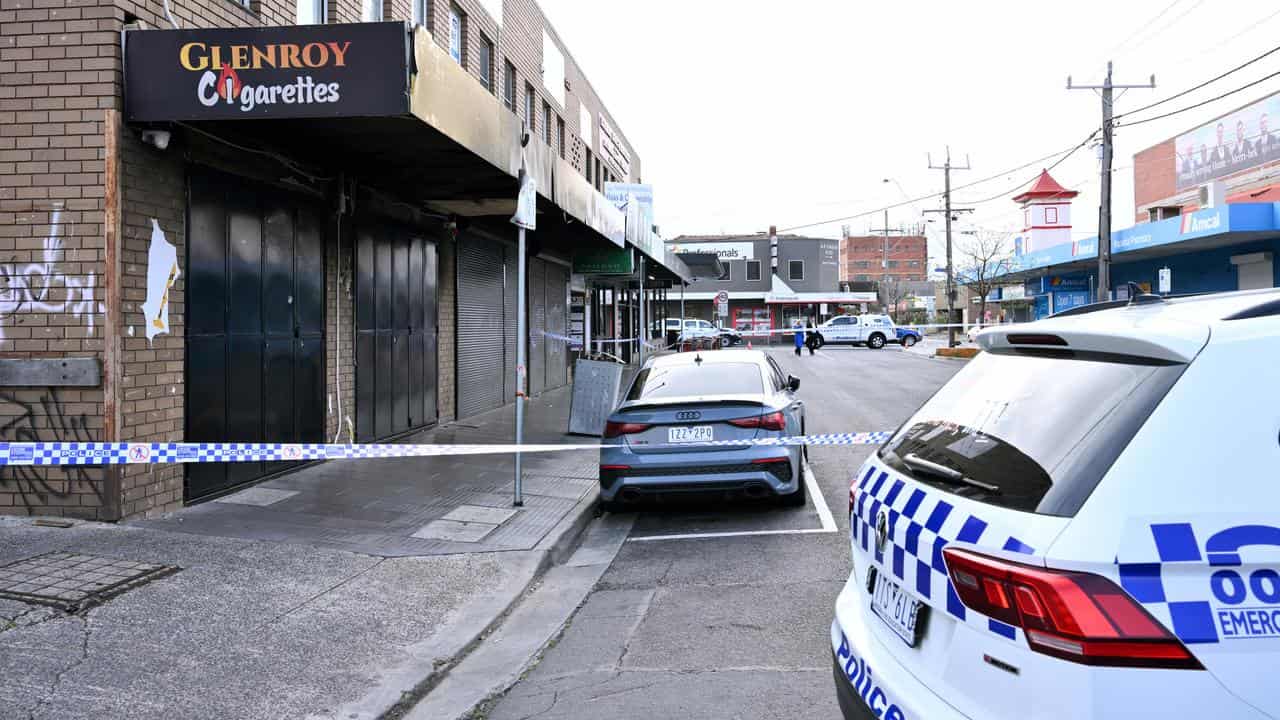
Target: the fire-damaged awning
pixel 376 101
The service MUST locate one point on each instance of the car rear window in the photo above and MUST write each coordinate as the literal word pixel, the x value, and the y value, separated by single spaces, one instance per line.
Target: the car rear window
pixel 697 379
pixel 1039 429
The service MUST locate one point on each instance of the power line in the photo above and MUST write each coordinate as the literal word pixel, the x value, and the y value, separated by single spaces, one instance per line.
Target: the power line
pixel 1199 104
pixel 1143 27
pixel 1210 81
pixel 1160 31
pixel 932 196
pixel 1015 188
pixel 1251 27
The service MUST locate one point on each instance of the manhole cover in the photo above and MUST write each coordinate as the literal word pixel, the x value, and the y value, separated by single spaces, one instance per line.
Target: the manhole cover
pixel 72 581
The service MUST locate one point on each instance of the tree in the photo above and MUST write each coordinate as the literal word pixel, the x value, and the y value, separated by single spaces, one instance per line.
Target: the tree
pixel 986 257
pixel 892 291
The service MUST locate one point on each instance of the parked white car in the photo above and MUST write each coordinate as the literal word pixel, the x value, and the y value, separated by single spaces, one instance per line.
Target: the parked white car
pixel 693 329
pixel 874 331
pixel 1083 523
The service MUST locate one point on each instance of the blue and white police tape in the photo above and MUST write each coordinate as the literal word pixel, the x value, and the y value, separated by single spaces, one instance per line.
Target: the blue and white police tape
pixel 120 453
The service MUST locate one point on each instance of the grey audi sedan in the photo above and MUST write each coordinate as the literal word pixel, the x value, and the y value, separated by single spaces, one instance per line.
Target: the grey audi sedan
pixel 655 441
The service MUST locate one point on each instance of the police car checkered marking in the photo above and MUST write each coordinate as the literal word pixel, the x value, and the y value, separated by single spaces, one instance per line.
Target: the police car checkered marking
pixel 914 548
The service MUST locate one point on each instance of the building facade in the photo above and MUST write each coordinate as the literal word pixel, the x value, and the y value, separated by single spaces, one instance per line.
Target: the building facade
pixel 771 281
pixel 901 258
pixel 296 234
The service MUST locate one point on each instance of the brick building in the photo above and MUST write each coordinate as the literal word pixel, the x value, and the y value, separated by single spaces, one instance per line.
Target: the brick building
pixel 279 263
pixel 872 257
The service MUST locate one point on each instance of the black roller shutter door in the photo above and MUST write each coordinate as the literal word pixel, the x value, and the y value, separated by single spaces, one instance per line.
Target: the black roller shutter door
pixel 481 327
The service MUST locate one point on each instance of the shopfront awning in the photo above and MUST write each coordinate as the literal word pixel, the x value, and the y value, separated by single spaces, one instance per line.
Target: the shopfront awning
pixel 1205 229
pixel 376 103
pixel 782 294
pixel 702 265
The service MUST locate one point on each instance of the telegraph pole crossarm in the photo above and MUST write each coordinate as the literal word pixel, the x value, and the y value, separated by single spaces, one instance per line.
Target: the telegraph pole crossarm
pixel 1108 150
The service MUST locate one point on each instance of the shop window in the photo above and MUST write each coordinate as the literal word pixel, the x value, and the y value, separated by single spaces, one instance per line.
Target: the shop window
pixel 795 270
pixel 560 135
pixel 546 124
pixel 509 85
pixel 587 169
pixel 457 36
pixel 529 119
pixel 753 269
pixel 486 63
pixel 311 12
pixel 1051 216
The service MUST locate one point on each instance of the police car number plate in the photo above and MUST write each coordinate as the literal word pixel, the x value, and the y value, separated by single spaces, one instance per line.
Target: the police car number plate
pixel 695 433
pixel 897 609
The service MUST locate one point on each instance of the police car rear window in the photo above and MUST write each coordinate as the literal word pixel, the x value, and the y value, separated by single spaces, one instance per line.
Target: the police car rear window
pixel 697 379
pixel 1033 432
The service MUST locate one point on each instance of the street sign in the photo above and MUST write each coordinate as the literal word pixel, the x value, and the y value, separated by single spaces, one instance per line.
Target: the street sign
pixel 722 297
pixel 722 304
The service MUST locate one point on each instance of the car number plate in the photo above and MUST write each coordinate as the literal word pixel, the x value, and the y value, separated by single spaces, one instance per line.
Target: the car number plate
pixel 691 434
pixel 896 608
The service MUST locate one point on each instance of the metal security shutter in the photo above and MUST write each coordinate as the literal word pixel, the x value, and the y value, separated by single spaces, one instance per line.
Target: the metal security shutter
pixel 537 326
pixel 481 330
pixel 557 292
pixel 510 307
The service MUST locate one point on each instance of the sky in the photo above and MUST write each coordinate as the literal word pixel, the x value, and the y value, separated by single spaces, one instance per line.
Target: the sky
pixel 751 114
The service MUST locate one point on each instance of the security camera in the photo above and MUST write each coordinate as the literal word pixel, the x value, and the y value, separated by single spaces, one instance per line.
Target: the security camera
pixel 157 138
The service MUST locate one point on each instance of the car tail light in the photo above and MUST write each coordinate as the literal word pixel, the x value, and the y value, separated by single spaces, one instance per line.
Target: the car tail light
pixel 1075 616
pixel 614 429
pixel 772 421
pixel 1036 339
pixel 768 461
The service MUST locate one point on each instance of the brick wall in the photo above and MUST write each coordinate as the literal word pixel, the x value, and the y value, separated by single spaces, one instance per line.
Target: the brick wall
pixel 446 381
pixel 1154 176
pixel 870 250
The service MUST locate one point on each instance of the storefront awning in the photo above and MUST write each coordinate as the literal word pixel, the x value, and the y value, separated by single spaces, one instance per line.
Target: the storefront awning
pixel 782 294
pixel 701 265
pixel 375 102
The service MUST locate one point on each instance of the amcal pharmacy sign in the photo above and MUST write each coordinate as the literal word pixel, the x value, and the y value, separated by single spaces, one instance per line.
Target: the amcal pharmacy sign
pixel 309 71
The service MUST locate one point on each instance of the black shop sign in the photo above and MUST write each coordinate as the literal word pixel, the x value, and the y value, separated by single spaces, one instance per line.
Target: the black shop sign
pixel 308 71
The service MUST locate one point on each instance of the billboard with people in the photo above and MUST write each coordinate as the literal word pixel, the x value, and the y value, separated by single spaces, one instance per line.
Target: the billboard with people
pixel 1231 143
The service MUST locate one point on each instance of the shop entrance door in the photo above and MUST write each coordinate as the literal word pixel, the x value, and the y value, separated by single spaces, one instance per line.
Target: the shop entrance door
pixel 254 324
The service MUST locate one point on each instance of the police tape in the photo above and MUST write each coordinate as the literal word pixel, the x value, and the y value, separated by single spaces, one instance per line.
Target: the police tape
pixel 122 453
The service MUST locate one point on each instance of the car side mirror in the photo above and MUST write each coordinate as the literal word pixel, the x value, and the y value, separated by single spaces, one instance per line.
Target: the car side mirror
pixel 793 383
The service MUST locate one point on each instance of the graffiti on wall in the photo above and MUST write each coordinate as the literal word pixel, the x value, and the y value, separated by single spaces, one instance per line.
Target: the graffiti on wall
pixel 43 418
pixel 38 286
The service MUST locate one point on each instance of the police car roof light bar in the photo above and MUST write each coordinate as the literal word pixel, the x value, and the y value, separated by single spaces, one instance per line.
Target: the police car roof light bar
pixel 1075 616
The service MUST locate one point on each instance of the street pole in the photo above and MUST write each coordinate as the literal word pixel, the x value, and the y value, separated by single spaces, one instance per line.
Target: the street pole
pixel 521 332
pixel 644 327
pixel 1108 150
pixel 949 214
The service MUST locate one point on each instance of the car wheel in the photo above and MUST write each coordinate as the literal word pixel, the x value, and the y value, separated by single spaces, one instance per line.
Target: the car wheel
pixel 908 341
pixel 821 341
pixel 875 342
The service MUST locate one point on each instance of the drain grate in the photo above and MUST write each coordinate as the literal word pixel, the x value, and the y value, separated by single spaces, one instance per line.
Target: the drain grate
pixel 74 581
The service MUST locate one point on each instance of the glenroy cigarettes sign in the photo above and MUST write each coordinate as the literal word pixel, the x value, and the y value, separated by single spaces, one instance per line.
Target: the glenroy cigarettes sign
pixel 310 71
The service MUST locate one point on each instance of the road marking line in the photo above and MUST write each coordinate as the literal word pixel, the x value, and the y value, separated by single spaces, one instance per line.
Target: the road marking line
pixel 825 517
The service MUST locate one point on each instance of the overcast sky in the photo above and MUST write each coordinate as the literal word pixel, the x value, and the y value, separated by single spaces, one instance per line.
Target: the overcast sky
pixel 750 114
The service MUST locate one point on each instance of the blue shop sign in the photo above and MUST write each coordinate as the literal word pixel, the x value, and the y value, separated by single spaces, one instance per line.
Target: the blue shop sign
pixel 1057 283
pixel 1237 217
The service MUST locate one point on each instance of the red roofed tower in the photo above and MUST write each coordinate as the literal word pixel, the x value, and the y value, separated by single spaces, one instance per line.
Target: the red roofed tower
pixel 1046 211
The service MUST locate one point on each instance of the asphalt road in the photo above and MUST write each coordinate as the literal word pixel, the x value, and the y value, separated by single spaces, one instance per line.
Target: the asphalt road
pixel 730 627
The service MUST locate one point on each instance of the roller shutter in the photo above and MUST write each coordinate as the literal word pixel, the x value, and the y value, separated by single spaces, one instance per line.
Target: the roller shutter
pixel 481 313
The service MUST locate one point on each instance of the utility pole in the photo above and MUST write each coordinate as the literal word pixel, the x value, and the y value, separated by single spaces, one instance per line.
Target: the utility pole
pixel 949 215
pixel 884 259
pixel 1108 147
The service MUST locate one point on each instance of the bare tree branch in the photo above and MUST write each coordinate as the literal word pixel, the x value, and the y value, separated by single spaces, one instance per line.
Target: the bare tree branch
pixel 985 257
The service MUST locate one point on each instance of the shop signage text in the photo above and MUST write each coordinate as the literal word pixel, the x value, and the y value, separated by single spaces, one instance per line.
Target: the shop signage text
pixel 279 72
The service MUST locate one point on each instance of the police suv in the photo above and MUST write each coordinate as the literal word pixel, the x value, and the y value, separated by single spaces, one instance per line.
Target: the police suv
pixel 1084 522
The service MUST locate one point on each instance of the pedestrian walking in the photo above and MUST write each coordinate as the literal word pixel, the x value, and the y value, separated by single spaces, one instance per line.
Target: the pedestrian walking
pixel 799 337
pixel 811 339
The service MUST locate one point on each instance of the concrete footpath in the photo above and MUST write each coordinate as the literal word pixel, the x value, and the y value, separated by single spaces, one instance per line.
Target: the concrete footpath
pixel 287 602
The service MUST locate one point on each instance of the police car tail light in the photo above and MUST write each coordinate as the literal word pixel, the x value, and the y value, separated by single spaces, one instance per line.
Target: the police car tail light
pixel 614 429
pixel 1075 616
pixel 772 421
